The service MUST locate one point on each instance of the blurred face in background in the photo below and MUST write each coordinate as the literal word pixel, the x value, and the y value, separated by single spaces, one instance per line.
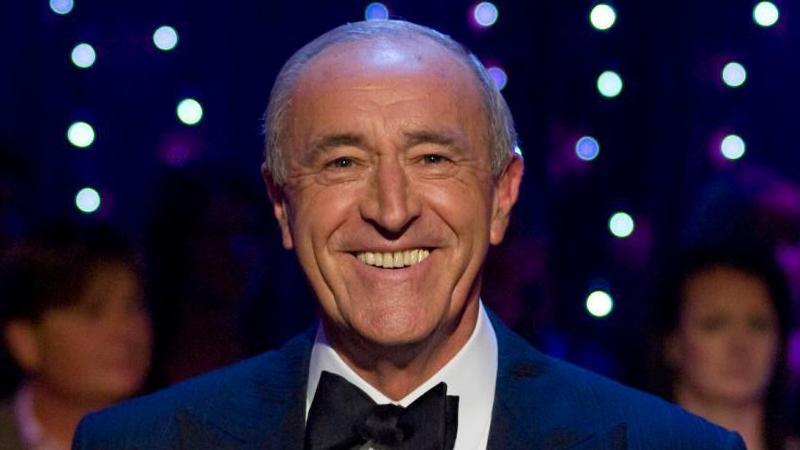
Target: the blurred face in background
pixel 95 350
pixel 727 342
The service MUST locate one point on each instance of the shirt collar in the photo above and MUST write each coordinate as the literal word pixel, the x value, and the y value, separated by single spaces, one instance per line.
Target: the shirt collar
pixel 477 358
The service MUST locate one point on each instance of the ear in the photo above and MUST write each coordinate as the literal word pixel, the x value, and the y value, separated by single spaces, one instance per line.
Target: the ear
pixel 279 206
pixel 505 196
pixel 20 336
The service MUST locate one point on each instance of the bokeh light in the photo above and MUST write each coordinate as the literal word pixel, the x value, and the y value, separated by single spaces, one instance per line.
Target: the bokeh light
pixel 609 83
pixel 87 200
pixel 83 55
pixel 499 76
pixel 587 148
pixel 376 11
pixel 518 151
pixel 602 17
pixel 61 6
pixel 165 38
pixel 621 224
pixel 766 14
pixel 485 14
pixel 80 134
pixel 734 74
pixel 732 147
pixel 190 111
pixel 599 304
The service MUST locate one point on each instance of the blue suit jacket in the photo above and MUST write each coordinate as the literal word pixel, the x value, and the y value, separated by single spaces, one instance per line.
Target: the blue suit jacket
pixel 540 403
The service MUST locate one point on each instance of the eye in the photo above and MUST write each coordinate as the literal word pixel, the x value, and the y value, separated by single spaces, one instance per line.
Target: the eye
pixel 433 158
pixel 340 163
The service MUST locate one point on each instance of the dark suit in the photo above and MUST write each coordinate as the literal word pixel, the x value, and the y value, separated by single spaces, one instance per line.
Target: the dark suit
pixel 540 403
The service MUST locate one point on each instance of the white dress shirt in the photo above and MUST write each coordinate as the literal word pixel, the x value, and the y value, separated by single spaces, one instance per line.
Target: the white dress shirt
pixel 471 375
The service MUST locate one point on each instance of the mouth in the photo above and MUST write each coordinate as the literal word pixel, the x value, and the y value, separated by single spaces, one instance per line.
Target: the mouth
pixel 393 260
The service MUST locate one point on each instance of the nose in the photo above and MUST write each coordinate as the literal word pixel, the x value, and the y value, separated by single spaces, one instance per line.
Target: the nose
pixel 392 204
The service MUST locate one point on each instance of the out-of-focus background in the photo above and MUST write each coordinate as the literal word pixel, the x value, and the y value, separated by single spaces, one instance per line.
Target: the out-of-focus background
pixel 646 127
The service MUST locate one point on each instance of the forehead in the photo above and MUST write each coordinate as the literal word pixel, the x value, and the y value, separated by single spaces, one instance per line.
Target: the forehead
pixel 726 288
pixel 389 75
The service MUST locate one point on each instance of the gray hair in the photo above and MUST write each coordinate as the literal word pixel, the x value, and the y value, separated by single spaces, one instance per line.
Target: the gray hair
pixel 501 134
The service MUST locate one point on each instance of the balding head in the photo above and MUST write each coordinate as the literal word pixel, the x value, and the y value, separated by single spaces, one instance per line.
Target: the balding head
pixel 500 133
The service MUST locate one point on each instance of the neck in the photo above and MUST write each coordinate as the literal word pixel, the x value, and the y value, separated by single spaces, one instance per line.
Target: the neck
pixel 57 414
pixel 746 418
pixel 397 370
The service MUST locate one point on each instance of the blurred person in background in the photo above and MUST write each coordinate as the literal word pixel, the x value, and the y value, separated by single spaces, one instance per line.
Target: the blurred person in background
pixel 75 324
pixel 721 327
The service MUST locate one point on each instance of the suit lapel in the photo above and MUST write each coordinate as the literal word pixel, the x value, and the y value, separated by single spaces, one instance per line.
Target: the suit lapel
pixel 266 410
pixel 530 403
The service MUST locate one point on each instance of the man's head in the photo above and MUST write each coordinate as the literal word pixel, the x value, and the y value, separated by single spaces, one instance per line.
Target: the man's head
pixel 387 145
pixel 73 314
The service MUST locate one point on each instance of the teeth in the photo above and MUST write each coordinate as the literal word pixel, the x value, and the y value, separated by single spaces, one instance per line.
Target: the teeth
pixel 392 260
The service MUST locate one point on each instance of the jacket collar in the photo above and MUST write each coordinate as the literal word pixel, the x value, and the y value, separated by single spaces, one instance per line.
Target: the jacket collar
pixel 268 409
pixel 532 408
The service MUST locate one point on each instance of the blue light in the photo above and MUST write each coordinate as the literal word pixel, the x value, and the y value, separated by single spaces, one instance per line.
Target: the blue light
pixel 602 17
pixel 599 304
pixel 165 38
pixel 499 76
pixel 87 200
pixel 83 55
pixel 518 151
pixel 190 111
pixel 376 11
pixel 61 6
pixel 732 147
pixel 734 74
pixel 485 14
pixel 80 134
pixel 609 83
pixel 766 14
pixel 621 224
pixel 587 148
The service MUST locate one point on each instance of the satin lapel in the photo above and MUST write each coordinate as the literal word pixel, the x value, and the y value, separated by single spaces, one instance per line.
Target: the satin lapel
pixel 526 396
pixel 265 411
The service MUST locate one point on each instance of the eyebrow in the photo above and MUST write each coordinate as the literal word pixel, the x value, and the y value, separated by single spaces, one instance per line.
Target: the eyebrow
pixel 429 137
pixel 328 142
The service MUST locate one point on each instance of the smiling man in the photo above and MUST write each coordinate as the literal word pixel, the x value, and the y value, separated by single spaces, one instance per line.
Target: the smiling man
pixel 391 169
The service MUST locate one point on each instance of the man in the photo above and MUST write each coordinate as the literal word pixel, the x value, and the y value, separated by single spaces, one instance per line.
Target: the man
pixel 391 170
pixel 74 322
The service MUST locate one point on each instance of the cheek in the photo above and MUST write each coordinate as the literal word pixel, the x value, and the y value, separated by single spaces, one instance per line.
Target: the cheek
pixel 700 351
pixel 72 351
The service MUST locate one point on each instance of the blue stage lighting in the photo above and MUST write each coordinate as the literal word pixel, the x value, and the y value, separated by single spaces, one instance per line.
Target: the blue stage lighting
pixel 609 83
pixel 83 55
pixel 61 6
pixel 602 17
pixel 190 111
pixel 376 11
pixel 587 148
pixel 599 304
pixel 80 134
pixel 499 76
pixel 485 14
pixel 734 74
pixel 732 147
pixel 621 224
pixel 87 200
pixel 766 14
pixel 165 38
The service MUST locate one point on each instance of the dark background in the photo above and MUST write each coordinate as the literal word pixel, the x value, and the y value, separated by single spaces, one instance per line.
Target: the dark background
pixel 220 284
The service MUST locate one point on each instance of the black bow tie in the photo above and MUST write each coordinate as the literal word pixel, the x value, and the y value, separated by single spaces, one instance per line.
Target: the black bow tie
pixel 343 417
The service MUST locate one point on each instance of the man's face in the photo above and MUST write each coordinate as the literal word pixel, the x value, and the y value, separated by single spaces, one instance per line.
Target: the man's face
pixel 389 201
pixel 97 350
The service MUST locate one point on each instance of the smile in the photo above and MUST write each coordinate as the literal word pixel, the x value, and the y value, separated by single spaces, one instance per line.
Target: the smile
pixel 393 260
